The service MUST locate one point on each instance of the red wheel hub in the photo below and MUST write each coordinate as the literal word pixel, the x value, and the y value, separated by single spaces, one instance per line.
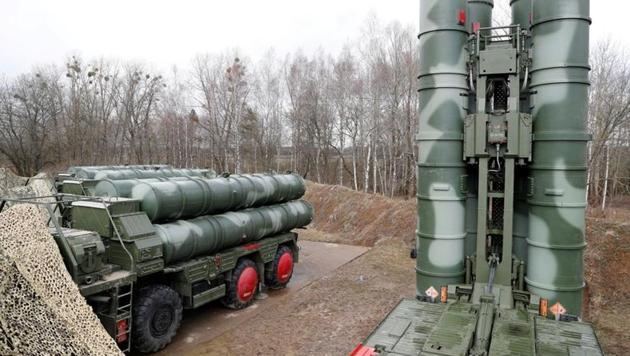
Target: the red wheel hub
pixel 285 267
pixel 246 285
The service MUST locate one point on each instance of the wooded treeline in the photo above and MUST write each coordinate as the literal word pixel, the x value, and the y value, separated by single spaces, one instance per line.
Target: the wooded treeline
pixel 609 123
pixel 348 119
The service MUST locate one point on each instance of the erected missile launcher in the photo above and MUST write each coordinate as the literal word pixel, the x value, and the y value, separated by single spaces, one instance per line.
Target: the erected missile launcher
pixel 501 185
pixel 146 249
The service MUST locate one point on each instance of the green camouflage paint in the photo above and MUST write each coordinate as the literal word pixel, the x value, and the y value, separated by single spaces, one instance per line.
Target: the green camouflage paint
pixel 441 171
pixel 557 198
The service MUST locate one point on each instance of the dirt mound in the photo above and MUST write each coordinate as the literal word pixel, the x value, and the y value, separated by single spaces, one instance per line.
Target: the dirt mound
pixel 16 187
pixel 8 181
pixel 607 269
pixel 360 218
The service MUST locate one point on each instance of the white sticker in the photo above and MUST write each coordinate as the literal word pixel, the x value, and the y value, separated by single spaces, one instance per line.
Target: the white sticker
pixel 558 309
pixel 431 292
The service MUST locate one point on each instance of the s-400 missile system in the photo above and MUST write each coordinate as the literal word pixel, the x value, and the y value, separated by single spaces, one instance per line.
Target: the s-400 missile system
pixel 143 243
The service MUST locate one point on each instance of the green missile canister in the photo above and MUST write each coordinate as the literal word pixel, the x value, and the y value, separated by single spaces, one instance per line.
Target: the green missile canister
pixel 557 200
pixel 441 170
pixel 185 239
pixel 153 173
pixel 179 199
pixel 88 172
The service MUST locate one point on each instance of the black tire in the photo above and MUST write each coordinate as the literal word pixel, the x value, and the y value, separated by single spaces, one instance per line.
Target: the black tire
pixel 232 298
pixel 273 279
pixel 157 315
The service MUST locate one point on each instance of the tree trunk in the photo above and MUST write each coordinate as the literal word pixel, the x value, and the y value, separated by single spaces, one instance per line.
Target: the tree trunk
pixel 606 178
pixel 367 169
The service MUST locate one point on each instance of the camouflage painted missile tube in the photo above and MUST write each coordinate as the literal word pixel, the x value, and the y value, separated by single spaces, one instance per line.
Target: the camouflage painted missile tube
pixel 185 239
pixel 479 12
pixel 441 171
pixel 558 175
pixel 521 14
pixel 152 173
pixel 179 199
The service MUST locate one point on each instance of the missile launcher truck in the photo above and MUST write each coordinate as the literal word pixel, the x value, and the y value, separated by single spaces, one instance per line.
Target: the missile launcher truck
pixel 501 185
pixel 165 240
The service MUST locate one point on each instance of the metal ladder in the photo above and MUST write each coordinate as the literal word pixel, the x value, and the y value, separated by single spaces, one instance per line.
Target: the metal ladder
pixel 122 306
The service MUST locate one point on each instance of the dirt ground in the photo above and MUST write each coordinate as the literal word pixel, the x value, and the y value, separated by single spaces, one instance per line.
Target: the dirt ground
pixel 331 315
pixel 607 270
pixel 317 260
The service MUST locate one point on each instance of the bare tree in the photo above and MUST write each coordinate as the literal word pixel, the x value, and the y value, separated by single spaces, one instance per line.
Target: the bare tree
pixel 609 111
pixel 268 103
pixel 90 92
pixel 177 130
pixel 30 108
pixel 222 94
pixel 137 99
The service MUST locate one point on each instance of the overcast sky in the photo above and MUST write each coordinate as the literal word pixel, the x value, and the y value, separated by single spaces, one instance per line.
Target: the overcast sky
pixel 171 32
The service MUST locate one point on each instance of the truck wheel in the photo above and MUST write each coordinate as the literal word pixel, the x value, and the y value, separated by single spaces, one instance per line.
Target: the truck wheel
pixel 157 314
pixel 282 268
pixel 241 288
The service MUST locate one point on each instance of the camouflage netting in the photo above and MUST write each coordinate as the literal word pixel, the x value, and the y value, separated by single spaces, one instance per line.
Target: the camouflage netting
pixel 41 310
pixel 8 180
pixel 13 187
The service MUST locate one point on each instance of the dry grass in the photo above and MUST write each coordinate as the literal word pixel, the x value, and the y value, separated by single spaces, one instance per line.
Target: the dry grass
pixel 358 218
pixel 607 272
